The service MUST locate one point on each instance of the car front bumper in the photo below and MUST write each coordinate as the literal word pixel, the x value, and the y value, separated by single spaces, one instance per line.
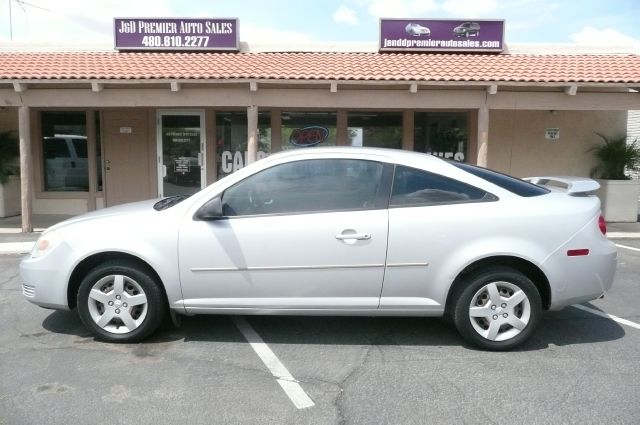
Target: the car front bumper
pixel 44 279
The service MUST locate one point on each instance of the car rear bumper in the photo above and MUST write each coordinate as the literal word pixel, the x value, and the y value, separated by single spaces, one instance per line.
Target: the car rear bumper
pixel 582 278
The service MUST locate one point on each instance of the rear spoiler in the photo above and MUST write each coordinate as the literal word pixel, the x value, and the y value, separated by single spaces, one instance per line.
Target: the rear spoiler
pixel 573 185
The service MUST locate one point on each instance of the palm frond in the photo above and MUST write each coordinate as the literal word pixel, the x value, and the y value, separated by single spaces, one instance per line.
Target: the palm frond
pixel 616 157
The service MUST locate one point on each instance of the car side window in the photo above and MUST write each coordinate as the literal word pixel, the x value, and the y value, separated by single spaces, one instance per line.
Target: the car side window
pixel 308 186
pixel 413 187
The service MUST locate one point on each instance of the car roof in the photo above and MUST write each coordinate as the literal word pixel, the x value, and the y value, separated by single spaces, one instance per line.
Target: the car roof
pixel 395 155
pixel 413 159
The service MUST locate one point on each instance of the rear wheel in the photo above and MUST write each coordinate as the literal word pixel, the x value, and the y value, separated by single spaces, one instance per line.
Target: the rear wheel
pixel 497 309
pixel 121 302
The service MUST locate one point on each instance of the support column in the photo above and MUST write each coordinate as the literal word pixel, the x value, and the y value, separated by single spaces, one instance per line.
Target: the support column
pixel 407 130
pixel 26 184
pixel 276 131
pixel 252 134
pixel 483 135
pixel 342 131
pixel 91 159
pixel 211 145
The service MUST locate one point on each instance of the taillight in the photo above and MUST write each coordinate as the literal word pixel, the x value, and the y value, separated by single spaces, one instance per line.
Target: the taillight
pixel 602 225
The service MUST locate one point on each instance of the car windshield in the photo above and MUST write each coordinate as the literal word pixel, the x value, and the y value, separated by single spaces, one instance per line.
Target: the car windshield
pixel 165 203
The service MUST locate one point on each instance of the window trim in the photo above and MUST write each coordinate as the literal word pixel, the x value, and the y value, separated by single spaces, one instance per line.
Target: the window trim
pixel 38 153
pixel 381 200
pixel 492 197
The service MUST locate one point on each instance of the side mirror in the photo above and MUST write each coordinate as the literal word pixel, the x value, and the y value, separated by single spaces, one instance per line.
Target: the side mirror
pixel 212 210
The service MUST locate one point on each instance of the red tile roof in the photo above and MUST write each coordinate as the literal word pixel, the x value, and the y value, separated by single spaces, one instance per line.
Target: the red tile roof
pixel 623 69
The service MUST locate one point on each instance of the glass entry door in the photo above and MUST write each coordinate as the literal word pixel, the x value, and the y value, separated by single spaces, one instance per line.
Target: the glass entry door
pixel 181 143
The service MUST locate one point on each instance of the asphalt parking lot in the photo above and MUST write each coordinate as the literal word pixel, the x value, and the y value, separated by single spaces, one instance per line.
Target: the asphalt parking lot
pixel 580 367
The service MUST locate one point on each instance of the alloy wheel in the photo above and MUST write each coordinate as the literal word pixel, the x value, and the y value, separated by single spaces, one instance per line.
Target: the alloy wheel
pixel 117 304
pixel 499 311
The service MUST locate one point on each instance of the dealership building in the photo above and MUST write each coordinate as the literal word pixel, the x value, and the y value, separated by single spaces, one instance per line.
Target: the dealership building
pixel 165 113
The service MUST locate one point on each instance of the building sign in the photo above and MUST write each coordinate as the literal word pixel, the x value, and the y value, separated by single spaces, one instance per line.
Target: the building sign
pixel 552 133
pixel 441 35
pixel 309 136
pixel 182 165
pixel 231 162
pixel 176 34
pixel 181 135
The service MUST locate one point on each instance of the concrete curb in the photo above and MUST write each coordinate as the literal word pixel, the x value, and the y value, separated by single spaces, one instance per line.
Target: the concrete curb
pixel 14 230
pixel 16 247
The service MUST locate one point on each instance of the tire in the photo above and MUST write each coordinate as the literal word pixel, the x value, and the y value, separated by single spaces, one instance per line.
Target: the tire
pixel 499 322
pixel 120 301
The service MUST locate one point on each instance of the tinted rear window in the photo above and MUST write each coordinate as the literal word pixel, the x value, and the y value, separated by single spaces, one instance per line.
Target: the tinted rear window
pixel 512 184
pixel 413 187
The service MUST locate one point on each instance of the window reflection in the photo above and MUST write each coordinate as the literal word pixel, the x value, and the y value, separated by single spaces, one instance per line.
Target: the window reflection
pixel 231 139
pixel 442 134
pixel 64 147
pixel 375 129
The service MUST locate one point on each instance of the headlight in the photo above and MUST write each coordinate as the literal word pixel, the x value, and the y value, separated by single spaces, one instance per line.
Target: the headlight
pixel 46 243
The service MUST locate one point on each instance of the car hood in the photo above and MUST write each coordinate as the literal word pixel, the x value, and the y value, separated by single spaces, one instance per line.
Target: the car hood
pixel 130 210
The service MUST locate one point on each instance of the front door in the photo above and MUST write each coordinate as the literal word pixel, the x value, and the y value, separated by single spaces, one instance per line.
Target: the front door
pixel 303 235
pixel 126 152
pixel 181 141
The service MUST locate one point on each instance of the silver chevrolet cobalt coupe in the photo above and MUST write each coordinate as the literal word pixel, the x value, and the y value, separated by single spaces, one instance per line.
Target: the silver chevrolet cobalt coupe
pixel 335 231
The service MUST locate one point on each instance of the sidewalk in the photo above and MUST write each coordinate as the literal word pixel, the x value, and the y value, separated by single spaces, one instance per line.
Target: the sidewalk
pixel 12 241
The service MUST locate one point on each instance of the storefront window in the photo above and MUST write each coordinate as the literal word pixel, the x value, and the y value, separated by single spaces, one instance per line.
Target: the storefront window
pixel 232 136
pixel 308 129
pixel 181 150
pixel 64 147
pixel 443 134
pixel 375 129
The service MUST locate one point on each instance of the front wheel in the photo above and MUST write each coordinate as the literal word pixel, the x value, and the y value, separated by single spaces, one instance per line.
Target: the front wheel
pixel 120 301
pixel 497 309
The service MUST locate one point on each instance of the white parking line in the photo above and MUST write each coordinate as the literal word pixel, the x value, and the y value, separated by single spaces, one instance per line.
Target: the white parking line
pixel 628 247
pixel 608 316
pixel 288 383
pixel 623 235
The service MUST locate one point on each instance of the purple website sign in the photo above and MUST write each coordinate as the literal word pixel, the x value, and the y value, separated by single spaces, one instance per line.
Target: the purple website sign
pixel 176 34
pixel 441 35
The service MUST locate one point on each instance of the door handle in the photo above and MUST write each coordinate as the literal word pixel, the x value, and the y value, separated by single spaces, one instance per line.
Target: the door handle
pixel 358 236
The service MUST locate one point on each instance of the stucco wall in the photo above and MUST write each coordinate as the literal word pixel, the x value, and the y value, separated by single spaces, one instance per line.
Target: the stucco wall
pixel 59 206
pixel 517 143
